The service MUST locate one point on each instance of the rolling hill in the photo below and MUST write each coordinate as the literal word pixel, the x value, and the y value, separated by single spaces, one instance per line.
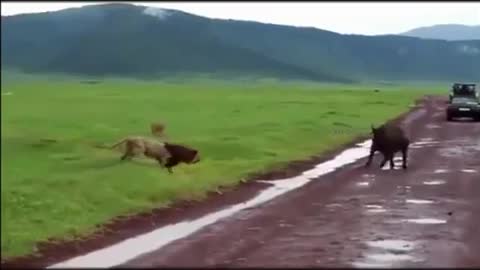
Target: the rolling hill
pixel 446 32
pixel 130 40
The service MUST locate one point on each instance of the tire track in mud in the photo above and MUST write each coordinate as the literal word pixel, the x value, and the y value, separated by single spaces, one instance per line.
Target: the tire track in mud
pixel 359 217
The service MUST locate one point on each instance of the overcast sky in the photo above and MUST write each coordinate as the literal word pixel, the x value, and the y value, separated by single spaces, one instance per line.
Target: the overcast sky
pixel 368 18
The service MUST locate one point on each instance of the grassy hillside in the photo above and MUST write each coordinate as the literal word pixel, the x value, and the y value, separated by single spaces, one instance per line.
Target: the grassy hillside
pixel 54 182
pixel 127 40
pixel 359 57
pixel 121 39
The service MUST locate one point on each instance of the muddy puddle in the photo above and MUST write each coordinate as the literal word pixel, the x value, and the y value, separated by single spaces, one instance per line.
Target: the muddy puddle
pixel 363 184
pixel 418 201
pixel 441 171
pixel 434 182
pixel 387 253
pixel 426 221
pixel 433 126
pixel 425 142
pixel 375 208
pixel 398 161
pixel 469 171
pixel 376 211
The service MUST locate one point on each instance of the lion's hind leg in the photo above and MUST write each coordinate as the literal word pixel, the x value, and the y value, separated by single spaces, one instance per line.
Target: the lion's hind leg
pixel 132 149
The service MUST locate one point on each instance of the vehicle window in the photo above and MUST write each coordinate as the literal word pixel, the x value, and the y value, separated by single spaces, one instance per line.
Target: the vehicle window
pixel 464 90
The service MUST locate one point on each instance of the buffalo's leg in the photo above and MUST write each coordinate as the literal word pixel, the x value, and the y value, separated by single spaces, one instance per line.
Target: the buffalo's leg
pixel 370 157
pixel 392 163
pixel 404 157
pixel 385 159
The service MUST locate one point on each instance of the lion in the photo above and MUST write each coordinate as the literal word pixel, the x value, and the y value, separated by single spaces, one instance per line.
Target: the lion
pixel 137 145
pixel 168 155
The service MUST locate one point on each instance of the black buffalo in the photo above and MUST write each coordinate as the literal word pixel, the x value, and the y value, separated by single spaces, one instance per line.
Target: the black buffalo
pixel 389 139
pixel 180 153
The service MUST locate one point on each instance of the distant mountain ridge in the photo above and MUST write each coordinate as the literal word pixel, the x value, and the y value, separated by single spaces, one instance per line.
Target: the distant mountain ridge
pixel 131 40
pixel 446 32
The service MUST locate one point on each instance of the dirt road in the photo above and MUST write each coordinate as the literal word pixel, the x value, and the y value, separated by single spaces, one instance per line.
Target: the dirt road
pixel 427 216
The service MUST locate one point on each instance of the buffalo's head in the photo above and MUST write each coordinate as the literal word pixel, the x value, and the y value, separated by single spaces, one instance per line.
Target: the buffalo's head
pixel 377 133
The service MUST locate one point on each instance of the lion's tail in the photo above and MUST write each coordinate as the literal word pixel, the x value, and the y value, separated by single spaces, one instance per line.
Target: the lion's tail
pixel 117 144
pixel 112 146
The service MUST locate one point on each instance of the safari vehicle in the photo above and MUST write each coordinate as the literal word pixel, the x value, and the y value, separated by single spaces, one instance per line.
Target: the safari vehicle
pixel 463 102
pixel 463 89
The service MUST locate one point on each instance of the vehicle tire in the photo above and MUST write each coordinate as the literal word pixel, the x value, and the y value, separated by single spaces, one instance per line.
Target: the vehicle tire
pixel 449 117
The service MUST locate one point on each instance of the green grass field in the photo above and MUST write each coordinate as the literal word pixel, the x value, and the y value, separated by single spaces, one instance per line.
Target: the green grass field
pixel 66 186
